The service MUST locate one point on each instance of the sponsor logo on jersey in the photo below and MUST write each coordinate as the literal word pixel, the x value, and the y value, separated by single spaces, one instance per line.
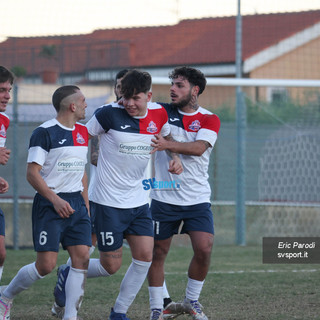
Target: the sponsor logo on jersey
pixel 80 138
pixel 173 185
pixel 174 119
pixel 137 148
pixel 195 125
pixel 71 164
pixel 3 132
pixel 125 126
pixel 62 141
pixel 152 127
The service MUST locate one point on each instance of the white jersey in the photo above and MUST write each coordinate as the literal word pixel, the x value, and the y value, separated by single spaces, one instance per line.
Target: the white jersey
pixel 192 186
pixel 124 153
pixel 62 153
pixel 4 125
pixel 93 174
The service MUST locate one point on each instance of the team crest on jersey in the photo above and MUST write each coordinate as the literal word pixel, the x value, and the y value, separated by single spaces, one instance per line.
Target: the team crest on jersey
pixel 195 125
pixel 80 138
pixel 152 127
pixel 3 132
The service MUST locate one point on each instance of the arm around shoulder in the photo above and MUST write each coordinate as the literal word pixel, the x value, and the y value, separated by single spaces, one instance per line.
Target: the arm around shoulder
pixel 194 148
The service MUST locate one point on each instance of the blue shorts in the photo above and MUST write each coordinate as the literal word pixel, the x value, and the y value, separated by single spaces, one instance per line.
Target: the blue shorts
pixel 2 224
pixel 92 217
pixel 49 229
pixel 167 219
pixel 113 224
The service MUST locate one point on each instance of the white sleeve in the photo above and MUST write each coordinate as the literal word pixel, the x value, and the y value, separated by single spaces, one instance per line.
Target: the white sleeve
pixel 94 127
pixel 165 130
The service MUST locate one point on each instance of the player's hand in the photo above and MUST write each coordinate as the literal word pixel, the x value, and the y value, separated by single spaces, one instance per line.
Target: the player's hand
pixel 175 165
pixel 122 102
pixel 4 185
pixel 4 155
pixel 63 208
pixel 159 143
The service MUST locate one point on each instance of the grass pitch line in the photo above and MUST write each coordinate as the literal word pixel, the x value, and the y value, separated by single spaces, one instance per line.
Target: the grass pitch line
pixel 250 271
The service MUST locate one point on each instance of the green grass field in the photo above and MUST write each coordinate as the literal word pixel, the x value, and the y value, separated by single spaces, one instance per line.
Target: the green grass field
pixel 238 286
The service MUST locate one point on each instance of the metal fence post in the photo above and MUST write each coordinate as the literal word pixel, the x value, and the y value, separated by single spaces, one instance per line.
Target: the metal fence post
pixel 241 129
pixel 15 169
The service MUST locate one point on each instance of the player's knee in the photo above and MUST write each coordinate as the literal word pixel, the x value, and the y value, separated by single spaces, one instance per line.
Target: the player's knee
pixel 111 268
pixel 159 251
pixel 146 257
pixel 203 254
pixel 44 270
pixel 2 256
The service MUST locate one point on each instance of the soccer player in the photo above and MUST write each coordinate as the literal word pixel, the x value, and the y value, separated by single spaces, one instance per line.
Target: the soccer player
pixel 6 82
pixel 56 170
pixel 121 203
pixel 195 130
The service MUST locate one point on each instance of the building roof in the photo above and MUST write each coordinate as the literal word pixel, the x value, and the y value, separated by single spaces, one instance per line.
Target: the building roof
pixel 192 42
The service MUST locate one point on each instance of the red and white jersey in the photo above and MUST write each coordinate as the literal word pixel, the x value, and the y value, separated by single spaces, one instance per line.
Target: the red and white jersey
pixel 124 153
pixel 194 187
pixel 62 153
pixel 4 125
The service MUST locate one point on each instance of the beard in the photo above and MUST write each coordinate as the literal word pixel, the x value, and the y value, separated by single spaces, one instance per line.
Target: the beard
pixel 184 102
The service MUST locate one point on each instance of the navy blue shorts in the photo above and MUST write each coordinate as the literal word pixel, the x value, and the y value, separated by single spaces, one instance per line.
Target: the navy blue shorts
pixel 92 217
pixel 2 224
pixel 167 219
pixel 113 224
pixel 49 229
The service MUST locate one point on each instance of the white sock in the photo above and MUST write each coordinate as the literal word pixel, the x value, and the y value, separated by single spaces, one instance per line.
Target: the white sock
pixel 91 250
pixel 194 288
pixel 25 277
pixel 155 297
pixel 95 269
pixel 131 284
pixel 1 271
pixel 74 292
pixel 165 293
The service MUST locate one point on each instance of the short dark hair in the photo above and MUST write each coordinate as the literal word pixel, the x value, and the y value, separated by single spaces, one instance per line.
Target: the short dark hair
pixel 6 75
pixel 194 76
pixel 135 82
pixel 62 93
pixel 121 74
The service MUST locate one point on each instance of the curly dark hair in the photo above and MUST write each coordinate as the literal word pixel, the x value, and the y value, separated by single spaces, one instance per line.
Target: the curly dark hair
pixel 194 76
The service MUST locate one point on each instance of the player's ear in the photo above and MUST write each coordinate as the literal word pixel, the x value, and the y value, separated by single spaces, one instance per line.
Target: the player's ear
pixel 149 96
pixel 195 90
pixel 72 107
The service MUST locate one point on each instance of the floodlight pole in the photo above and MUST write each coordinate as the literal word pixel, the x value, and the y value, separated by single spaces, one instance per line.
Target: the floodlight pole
pixel 241 135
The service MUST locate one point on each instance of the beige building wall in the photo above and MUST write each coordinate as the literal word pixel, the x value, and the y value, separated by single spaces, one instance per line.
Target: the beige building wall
pixel 302 63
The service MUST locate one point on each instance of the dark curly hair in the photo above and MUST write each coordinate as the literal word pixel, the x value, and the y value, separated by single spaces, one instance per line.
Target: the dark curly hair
pixel 194 76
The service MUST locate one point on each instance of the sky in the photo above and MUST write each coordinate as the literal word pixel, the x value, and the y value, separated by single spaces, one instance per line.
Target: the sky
pixel 23 18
